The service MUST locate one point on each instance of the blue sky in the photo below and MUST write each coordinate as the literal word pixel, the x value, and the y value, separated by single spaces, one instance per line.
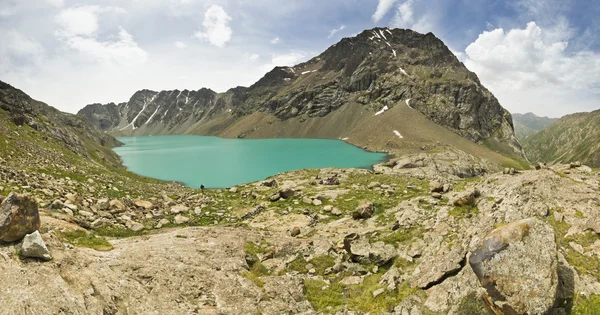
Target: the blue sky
pixel 541 56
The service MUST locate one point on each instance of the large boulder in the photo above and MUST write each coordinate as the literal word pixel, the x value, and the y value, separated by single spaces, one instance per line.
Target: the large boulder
pixel 19 216
pixel 33 246
pixel 364 210
pixel 517 266
pixel 466 198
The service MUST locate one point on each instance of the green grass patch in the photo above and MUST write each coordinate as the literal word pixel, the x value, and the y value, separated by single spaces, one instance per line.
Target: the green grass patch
pixel 472 304
pixel 252 248
pixel 400 236
pixel 85 239
pixel 582 263
pixel 333 297
pixel 586 305
pixel 257 271
pixel 118 232
pixel 579 214
pixel 464 211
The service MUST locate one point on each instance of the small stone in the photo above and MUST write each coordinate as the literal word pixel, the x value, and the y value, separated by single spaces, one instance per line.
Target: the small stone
pixel 161 223
pixel 68 211
pixel 179 209
pixel 307 200
pixel 364 210
pixel 436 195
pixel 317 202
pixel 143 204
pixel 179 219
pixel 233 189
pixel 378 292
pixel 103 204
pixel 116 206
pixel 336 212
pixel 295 231
pixel 328 208
pixel 134 226
pixel 33 246
pixel 373 185
pixel 436 187
pixel 275 197
pixel 286 193
pixel 86 214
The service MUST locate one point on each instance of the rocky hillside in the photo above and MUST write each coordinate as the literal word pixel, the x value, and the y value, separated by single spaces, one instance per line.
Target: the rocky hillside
pixel 529 124
pixel 352 81
pixel 571 138
pixel 420 234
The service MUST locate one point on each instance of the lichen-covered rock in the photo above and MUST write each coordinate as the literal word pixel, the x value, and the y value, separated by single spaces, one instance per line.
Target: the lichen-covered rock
pixel 33 246
pixel 517 266
pixel 466 198
pixel 19 216
pixel 364 210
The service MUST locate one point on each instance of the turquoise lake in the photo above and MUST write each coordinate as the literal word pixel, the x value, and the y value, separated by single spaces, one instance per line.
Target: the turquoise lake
pixel 219 163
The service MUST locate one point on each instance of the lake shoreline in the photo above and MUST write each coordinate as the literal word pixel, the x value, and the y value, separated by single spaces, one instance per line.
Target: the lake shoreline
pixel 226 162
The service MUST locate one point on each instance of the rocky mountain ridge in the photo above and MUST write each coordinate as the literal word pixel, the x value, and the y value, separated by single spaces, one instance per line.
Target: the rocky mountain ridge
pixel 529 124
pixel 572 138
pixel 350 82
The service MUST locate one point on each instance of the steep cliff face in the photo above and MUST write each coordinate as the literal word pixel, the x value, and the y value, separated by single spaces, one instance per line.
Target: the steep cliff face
pixel 571 138
pixel 376 70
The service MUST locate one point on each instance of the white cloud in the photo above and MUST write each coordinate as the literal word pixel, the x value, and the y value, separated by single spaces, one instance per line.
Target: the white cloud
pixel 253 57
pixel 216 26
pixel 19 53
pixel 79 28
pixel 79 20
pixel 526 70
pixel 180 45
pixel 406 18
pixel 289 59
pixel 383 7
pixel 123 51
pixel 56 3
pixel 275 40
pixel 336 30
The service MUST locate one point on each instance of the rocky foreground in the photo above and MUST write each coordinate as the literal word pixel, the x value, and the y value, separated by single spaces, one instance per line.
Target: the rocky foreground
pixel 424 234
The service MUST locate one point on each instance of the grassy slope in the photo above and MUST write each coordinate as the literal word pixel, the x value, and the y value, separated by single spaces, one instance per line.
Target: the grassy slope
pixel 572 138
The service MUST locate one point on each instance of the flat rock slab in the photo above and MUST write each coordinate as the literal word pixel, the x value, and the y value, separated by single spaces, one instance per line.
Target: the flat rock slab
pixel 517 266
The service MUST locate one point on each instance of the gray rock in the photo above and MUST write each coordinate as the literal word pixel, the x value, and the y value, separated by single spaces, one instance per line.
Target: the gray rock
pixel 364 210
pixel 19 216
pixel 466 198
pixel 116 206
pixel 373 185
pixel 517 266
pixel 103 204
pixel 275 197
pixel 179 219
pixel 179 209
pixel 286 193
pixel 33 246
pixel 436 187
pixel 317 202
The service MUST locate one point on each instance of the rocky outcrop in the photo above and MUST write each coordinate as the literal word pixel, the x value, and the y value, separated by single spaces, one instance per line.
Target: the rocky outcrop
pixel 18 217
pixel 517 266
pixel 378 68
pixel 33 246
